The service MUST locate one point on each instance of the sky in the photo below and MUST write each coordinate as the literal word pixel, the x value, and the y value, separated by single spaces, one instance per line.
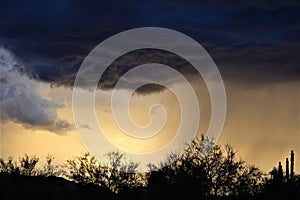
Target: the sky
pixel 255 45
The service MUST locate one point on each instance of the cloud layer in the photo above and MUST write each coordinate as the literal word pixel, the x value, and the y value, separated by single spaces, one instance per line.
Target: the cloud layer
pixel 256 64
pixel 20 101
pixel 257 42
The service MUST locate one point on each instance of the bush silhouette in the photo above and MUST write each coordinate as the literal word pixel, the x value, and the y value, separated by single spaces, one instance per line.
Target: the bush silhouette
pixel 119 175
pixel 206 170
pixel 25 166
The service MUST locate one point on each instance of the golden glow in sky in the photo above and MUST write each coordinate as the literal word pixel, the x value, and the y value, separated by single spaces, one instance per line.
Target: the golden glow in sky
pixel 262 124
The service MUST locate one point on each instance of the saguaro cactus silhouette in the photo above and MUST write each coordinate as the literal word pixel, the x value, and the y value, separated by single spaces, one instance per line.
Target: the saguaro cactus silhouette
pixel 280 173
pixel 287 175
pixel 292 165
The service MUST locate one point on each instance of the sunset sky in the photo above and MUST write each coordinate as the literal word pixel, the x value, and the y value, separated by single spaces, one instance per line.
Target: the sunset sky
pixel 255 45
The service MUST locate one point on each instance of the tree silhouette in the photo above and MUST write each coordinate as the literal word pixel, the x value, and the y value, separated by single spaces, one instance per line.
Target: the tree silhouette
pixel 123 174
pixel 205 170
pixel 25 166
pixel 86 169
pixel 49 169
pixel 119 175
pixel 9 166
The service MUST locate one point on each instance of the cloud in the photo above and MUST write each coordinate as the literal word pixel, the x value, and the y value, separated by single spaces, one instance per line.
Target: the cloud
pixel 258 65
pixel 85 126
pixel 253 63
pixel 20 101
pixel 64 73
pixel 254 42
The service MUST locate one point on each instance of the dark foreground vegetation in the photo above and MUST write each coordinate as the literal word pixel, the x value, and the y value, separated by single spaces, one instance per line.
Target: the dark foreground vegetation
pixel 204 171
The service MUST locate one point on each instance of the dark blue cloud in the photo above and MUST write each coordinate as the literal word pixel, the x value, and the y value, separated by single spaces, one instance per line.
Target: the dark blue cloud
pixel 242 21
pixel 51 38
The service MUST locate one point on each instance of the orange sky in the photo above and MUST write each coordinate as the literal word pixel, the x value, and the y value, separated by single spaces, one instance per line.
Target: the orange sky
pixel 262 123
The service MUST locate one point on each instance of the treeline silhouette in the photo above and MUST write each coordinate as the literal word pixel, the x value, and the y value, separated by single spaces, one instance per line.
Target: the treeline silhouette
pixel 204 170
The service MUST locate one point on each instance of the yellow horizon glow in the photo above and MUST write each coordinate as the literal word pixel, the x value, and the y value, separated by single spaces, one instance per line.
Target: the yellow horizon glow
pixel 262 124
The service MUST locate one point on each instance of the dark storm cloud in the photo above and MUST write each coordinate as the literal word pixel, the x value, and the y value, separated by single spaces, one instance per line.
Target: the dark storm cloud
pixel 258 64
pixel 252 63
pixel 252 40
